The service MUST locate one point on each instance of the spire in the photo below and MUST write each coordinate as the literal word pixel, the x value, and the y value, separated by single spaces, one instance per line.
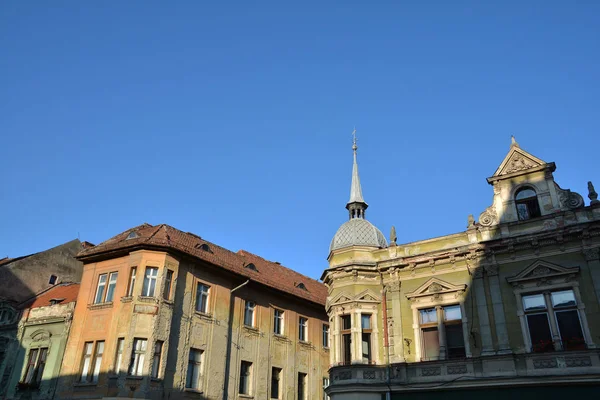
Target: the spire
pixel 356 205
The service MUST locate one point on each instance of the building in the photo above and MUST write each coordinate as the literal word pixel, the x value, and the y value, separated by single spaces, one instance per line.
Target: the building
pixel 508 308
pixel 23 278
pixel 42 335
pixel 165 314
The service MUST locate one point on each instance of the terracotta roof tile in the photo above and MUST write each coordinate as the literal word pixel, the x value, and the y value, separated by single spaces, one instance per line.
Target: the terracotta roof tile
pixel 269 273
pixel 66 291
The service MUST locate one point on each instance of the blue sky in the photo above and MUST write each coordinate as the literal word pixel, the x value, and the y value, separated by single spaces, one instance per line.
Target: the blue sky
pixel 233 120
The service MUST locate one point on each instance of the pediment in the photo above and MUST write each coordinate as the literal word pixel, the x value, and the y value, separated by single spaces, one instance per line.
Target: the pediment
pixel 40 335
pixel 518 160
pixel 341 298
pixel 542 270
pixel 367 295
pixel 435 286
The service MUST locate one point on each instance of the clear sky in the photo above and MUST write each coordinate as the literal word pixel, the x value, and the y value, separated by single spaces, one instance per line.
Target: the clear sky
pixel 233 120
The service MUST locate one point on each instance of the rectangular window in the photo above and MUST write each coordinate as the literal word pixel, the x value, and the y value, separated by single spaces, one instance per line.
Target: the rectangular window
pixel 249 313
pixel 346 339
pixel 301 386
pixel 100 288
pixel 278 322
pixel 156 358
pixel 429 334
pixel 202 297
pixel 168 284
pixel 118 355
pixel 245 377
pixel 149 282
pixel 302 329
pixel 138 353
pixel 131 281
pixel 275 382
pixel 325 335
pixel 35 365
pixel 86 362
pixel 455 340
pixel 325 385
pixel 194 371
pixel 112 283
pixel 365 323
pixel 92 359
pixel 567 320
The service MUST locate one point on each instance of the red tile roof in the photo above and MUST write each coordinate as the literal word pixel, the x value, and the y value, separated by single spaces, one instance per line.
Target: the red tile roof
pixel 165 236
pixel 65 291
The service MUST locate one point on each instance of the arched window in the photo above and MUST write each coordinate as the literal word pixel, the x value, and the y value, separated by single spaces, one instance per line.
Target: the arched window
pixel 527 204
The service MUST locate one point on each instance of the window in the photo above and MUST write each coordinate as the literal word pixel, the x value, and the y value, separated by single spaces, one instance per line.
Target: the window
pixel 118 355
pixel 204 247
pixel 278 322
pixel 138 353
pixel 325 335
pixel 275 382
pixel 6 316
pixel 301 286
pixel 451 323
pixel 302 329
pixel 365 325
pixel 202 298
pixel 249 313
pixel 168 283
pixel 112 283
pixel 346 339
pixel 527 204
pixel 156 358
pixel 35 366
pixel 325 385
pixel 251 266
pixel 132 235
pixel 52 280
pixel 301 386
pixel 245 377
pixel 194 371
pixel 149 282
pixel 560 305
pixel 100 288
pixel 131 281
pixel 92 359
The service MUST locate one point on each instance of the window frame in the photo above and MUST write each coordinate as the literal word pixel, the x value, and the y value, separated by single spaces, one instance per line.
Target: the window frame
pixel 303 329
pixel 36 363
pixel 111 285
pixel 250 306
pixel 247 389
pixel 156 359
pixel 278 321
pixel 91 372
pixel 119 349
pixel 531 203
pixel 326 336
pixel 302 387
pixel 278 380
pixel 98 294
pixel 168 284
pixel 138 357
pixel 131 283
pixel 205 295
pixel 149 280
pixel 345 332
pixel 194 373
pixel 367 331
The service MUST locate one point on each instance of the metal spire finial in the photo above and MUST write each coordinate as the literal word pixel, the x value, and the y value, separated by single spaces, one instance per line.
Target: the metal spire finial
pixel 357 204
pixel 354 146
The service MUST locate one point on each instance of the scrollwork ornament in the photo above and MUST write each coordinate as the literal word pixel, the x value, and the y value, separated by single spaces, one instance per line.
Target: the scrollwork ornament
pixel 489 217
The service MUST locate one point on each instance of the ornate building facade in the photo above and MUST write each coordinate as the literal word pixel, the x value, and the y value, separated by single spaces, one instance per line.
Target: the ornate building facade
pixel 509 306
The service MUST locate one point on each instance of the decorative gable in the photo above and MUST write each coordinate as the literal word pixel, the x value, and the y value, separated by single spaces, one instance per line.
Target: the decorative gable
pixel 518 160
pixel 367 295
pixel 543 271
pixel 436 287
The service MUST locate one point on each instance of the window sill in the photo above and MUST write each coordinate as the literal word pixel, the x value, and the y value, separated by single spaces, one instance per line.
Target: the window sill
pixel 134 378
pixel 305 343
pixel 99 306
pixel 147 299
pixel 196 391
pixel 126 299
pixel 325 348
pixel 85 384
pixel 203 315
pixel 158 380
pixel 251 329
pixel 245 396
pixel 168 302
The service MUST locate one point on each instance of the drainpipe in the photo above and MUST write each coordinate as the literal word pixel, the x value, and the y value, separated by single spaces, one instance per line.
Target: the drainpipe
pixel 386 343
pixel 229 333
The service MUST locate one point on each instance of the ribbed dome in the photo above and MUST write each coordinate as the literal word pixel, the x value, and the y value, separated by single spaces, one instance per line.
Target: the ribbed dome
pixel 358 232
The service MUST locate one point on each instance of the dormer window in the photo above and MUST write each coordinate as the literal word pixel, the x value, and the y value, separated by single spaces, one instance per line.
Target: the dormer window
pixel 252 267
pixel 301 286
pixel 527 204
pixel 132 235
pixel 204 247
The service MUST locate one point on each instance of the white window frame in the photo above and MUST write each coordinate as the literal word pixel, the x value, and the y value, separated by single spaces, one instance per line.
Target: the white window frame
pixel 540 277
pixel 278 321
pixel 436 293
pixel 250 306
pixel 101 288
pixel 194 373
pixel 203 293
pixel 138 357
pixel 303 329
pixel 150 276
pixel 326 335
pixel 131 287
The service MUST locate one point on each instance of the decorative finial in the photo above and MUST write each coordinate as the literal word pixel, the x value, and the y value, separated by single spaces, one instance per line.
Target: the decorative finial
pixel 513 141
pixel 471 222
pixel 393 236
pixel 593 196
pixel 354 146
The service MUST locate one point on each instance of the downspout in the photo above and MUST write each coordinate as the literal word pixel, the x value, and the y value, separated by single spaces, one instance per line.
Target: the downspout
pixel 386 342
pixel 229 333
